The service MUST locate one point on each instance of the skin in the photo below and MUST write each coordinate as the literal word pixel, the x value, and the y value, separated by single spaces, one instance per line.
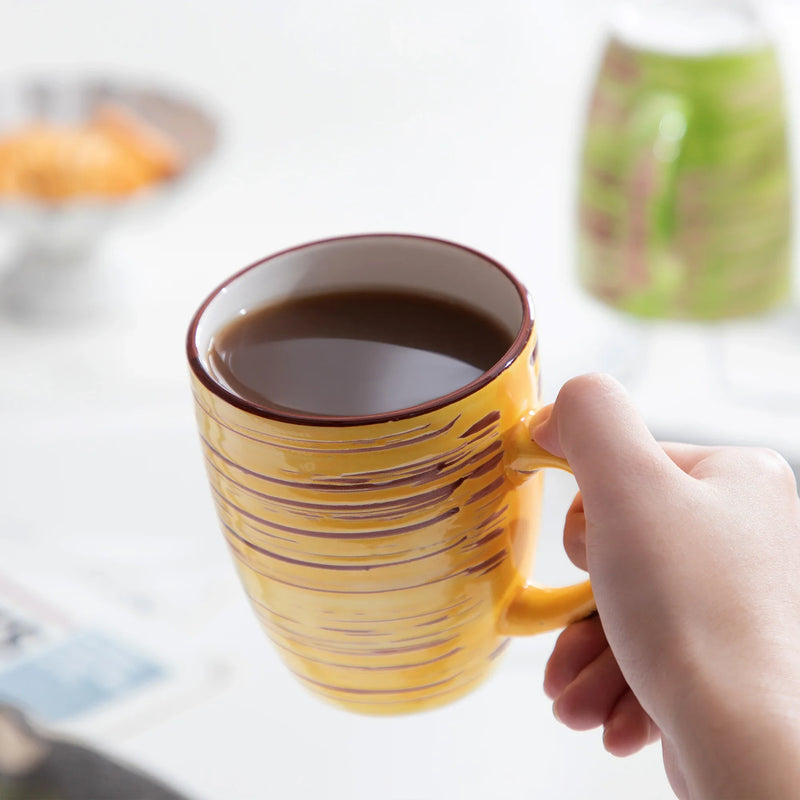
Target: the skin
pixel 694 557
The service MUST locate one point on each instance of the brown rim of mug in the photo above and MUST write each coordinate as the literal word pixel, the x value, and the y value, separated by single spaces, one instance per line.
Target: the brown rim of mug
pixel 298 418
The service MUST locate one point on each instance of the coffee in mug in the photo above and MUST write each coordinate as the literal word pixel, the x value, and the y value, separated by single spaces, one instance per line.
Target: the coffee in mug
pixel 356 352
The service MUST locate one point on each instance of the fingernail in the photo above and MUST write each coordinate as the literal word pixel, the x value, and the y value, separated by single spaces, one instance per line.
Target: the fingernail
pixel 605 736
pixel 555 711
pixel 546 439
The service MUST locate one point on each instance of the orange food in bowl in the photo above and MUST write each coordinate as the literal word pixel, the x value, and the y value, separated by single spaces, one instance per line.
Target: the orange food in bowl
pixel 111 155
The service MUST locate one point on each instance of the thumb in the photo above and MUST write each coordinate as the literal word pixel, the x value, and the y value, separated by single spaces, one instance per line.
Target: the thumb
pixel 596 427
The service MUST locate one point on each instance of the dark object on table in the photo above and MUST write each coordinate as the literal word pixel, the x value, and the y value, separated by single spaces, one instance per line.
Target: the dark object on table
pixel 34 766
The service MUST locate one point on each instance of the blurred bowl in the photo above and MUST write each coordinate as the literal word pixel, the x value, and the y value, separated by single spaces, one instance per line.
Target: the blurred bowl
pixel 54 270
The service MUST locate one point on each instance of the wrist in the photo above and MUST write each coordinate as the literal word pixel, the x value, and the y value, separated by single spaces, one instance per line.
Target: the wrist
pixel 740 738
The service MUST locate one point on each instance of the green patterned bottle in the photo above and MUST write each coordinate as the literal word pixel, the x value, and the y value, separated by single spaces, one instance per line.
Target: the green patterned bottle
pixel 685 195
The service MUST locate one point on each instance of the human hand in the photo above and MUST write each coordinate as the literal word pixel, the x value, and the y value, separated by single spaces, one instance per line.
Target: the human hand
pixel 694 557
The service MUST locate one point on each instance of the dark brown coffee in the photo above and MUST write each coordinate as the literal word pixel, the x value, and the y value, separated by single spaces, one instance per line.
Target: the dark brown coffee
pixel 355 353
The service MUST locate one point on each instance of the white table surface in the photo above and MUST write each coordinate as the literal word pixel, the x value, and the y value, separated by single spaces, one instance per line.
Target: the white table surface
pixel 455 119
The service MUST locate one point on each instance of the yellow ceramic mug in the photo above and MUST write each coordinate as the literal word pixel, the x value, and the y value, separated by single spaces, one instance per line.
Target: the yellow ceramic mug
pixel 386 556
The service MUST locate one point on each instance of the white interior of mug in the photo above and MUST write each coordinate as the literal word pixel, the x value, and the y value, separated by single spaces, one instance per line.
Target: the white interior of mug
pixel 381 261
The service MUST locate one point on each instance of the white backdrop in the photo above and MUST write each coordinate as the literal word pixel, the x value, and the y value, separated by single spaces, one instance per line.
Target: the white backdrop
pixel 455 119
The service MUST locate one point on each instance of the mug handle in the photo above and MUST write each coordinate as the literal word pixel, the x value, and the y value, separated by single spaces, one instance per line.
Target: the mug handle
pixel 536 609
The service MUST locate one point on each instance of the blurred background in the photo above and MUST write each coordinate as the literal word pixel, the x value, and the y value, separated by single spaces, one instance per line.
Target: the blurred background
pixel 633 171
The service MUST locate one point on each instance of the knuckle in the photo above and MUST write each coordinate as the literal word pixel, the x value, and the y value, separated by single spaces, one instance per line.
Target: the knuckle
pixel 772 464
